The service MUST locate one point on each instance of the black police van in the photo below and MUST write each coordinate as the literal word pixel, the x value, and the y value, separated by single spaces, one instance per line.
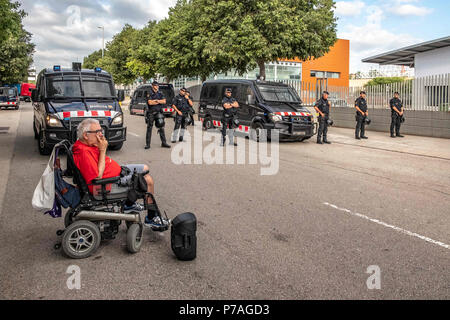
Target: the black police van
pixel 65 97
pixel 138 100
pixel 9 98
pixel 262 105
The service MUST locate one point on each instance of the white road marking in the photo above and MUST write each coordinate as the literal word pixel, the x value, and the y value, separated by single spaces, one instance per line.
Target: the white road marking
pixel 133 134
pixel 413 234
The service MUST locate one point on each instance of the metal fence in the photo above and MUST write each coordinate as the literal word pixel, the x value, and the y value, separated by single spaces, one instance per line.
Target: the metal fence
pixel 422 94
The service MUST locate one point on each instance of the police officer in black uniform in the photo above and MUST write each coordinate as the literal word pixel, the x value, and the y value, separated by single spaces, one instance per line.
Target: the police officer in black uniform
pixel 182 105
pixel 361 114
pixel 396 115
pixel 229 105
pixel 153 113
pixel 191 107
pixel 322 106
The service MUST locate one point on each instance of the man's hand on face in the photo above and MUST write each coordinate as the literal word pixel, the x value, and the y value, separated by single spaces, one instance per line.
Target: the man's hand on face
pixel 102 143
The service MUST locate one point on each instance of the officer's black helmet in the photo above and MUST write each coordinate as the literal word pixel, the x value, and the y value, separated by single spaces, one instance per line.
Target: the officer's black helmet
pixel 368 121
pixel 330 122
pixel 159 120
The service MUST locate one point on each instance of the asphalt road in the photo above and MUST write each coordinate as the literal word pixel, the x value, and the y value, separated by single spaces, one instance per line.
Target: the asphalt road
pixel 308 232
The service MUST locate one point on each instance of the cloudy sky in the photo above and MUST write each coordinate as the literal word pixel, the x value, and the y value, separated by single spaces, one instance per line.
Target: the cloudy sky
pixel 66 31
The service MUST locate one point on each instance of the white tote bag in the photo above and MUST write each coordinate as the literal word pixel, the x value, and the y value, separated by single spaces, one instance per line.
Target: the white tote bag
pixel 44 194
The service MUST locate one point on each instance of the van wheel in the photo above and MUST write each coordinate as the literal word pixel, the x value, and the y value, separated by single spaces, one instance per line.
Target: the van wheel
pixel 44 148
pixel 116 147
pixel 207 124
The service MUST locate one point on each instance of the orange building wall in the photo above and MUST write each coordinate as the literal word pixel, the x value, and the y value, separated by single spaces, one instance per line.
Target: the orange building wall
pixel 336 60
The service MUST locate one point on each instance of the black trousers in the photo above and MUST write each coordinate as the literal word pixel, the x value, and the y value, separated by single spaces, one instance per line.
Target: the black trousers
pixel 323 128
pixel 360 125
pixel 180 121
pixel 227 125
pixel 395 124
pixel 150 119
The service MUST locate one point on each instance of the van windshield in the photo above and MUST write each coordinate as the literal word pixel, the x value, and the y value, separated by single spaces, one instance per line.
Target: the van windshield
pixel 70 87
pixel 7 92
pixel 278 94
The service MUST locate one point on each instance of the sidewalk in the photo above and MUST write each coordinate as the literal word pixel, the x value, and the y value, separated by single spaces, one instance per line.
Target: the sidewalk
pixel 416 145
pixel 9 121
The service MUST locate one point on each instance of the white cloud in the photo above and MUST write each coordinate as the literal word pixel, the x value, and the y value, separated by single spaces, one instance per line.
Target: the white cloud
pixel 349 8
pixel 371 39
pixel 411 10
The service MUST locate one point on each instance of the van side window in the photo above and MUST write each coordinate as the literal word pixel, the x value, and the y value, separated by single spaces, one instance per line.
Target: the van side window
pixel 212 93
pixel 245 91
pixel 139 94
pixel 204 92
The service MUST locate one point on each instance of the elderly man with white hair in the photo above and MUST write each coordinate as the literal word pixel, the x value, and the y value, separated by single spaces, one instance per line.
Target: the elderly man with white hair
pixel 89 153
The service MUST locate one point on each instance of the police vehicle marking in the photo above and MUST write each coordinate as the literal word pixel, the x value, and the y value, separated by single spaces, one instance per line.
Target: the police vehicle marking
pixel 86 114
pixel 293 114
pixel 218 124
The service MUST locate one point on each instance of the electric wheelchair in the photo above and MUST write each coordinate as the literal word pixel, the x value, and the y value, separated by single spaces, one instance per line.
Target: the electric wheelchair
pixel 98 216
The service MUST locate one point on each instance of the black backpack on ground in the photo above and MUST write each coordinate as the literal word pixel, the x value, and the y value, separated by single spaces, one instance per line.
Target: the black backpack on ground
pixel 183 237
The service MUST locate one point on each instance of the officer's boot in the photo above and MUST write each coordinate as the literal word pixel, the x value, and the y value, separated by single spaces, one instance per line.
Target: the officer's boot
pixel 148 137
pixel 325 140
pixel 162 134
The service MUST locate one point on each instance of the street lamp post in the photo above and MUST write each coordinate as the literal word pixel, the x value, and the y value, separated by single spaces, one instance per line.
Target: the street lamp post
pixel 103 39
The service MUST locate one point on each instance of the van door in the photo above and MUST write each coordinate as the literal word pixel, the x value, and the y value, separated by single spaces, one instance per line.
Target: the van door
pixel 245 110
pixel 140 101
pixel 212 101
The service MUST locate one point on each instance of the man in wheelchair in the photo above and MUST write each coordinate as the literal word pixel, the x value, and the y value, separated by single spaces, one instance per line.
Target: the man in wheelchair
pixel 89 154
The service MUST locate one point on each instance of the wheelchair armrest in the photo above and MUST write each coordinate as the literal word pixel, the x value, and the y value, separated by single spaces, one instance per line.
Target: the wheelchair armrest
pixel 105 181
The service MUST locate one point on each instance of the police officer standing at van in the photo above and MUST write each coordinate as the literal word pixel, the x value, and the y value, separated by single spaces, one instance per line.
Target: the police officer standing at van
pixel 396 115
pixel 229 105
pixel 361 114
pixel 322 106
pixel 181 104
pixel 153 114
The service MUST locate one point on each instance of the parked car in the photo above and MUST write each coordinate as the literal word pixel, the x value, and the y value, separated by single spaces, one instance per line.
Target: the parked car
pixel 138 101
pixel 65 97
pixel 9 98
pixel 263 105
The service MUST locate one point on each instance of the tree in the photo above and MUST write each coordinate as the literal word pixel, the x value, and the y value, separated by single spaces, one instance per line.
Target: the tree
pixel 92 60
pixel 249 33
pixel 179 44
pixel 384 80
pixel 16 54
pixel 143 51
pixel 118 54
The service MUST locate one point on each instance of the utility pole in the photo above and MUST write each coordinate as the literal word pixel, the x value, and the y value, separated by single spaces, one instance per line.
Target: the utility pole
pixel 103 39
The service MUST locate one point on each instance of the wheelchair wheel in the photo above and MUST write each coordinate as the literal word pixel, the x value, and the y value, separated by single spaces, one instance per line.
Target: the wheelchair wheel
pixel 134 238
pixel 81 239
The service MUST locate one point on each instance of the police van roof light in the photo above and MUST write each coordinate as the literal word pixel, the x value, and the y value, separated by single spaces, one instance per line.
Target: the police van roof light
pixel 98 69
pixel 56 68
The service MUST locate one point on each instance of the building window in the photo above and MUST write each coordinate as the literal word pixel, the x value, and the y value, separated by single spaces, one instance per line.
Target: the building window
pixel 325 74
